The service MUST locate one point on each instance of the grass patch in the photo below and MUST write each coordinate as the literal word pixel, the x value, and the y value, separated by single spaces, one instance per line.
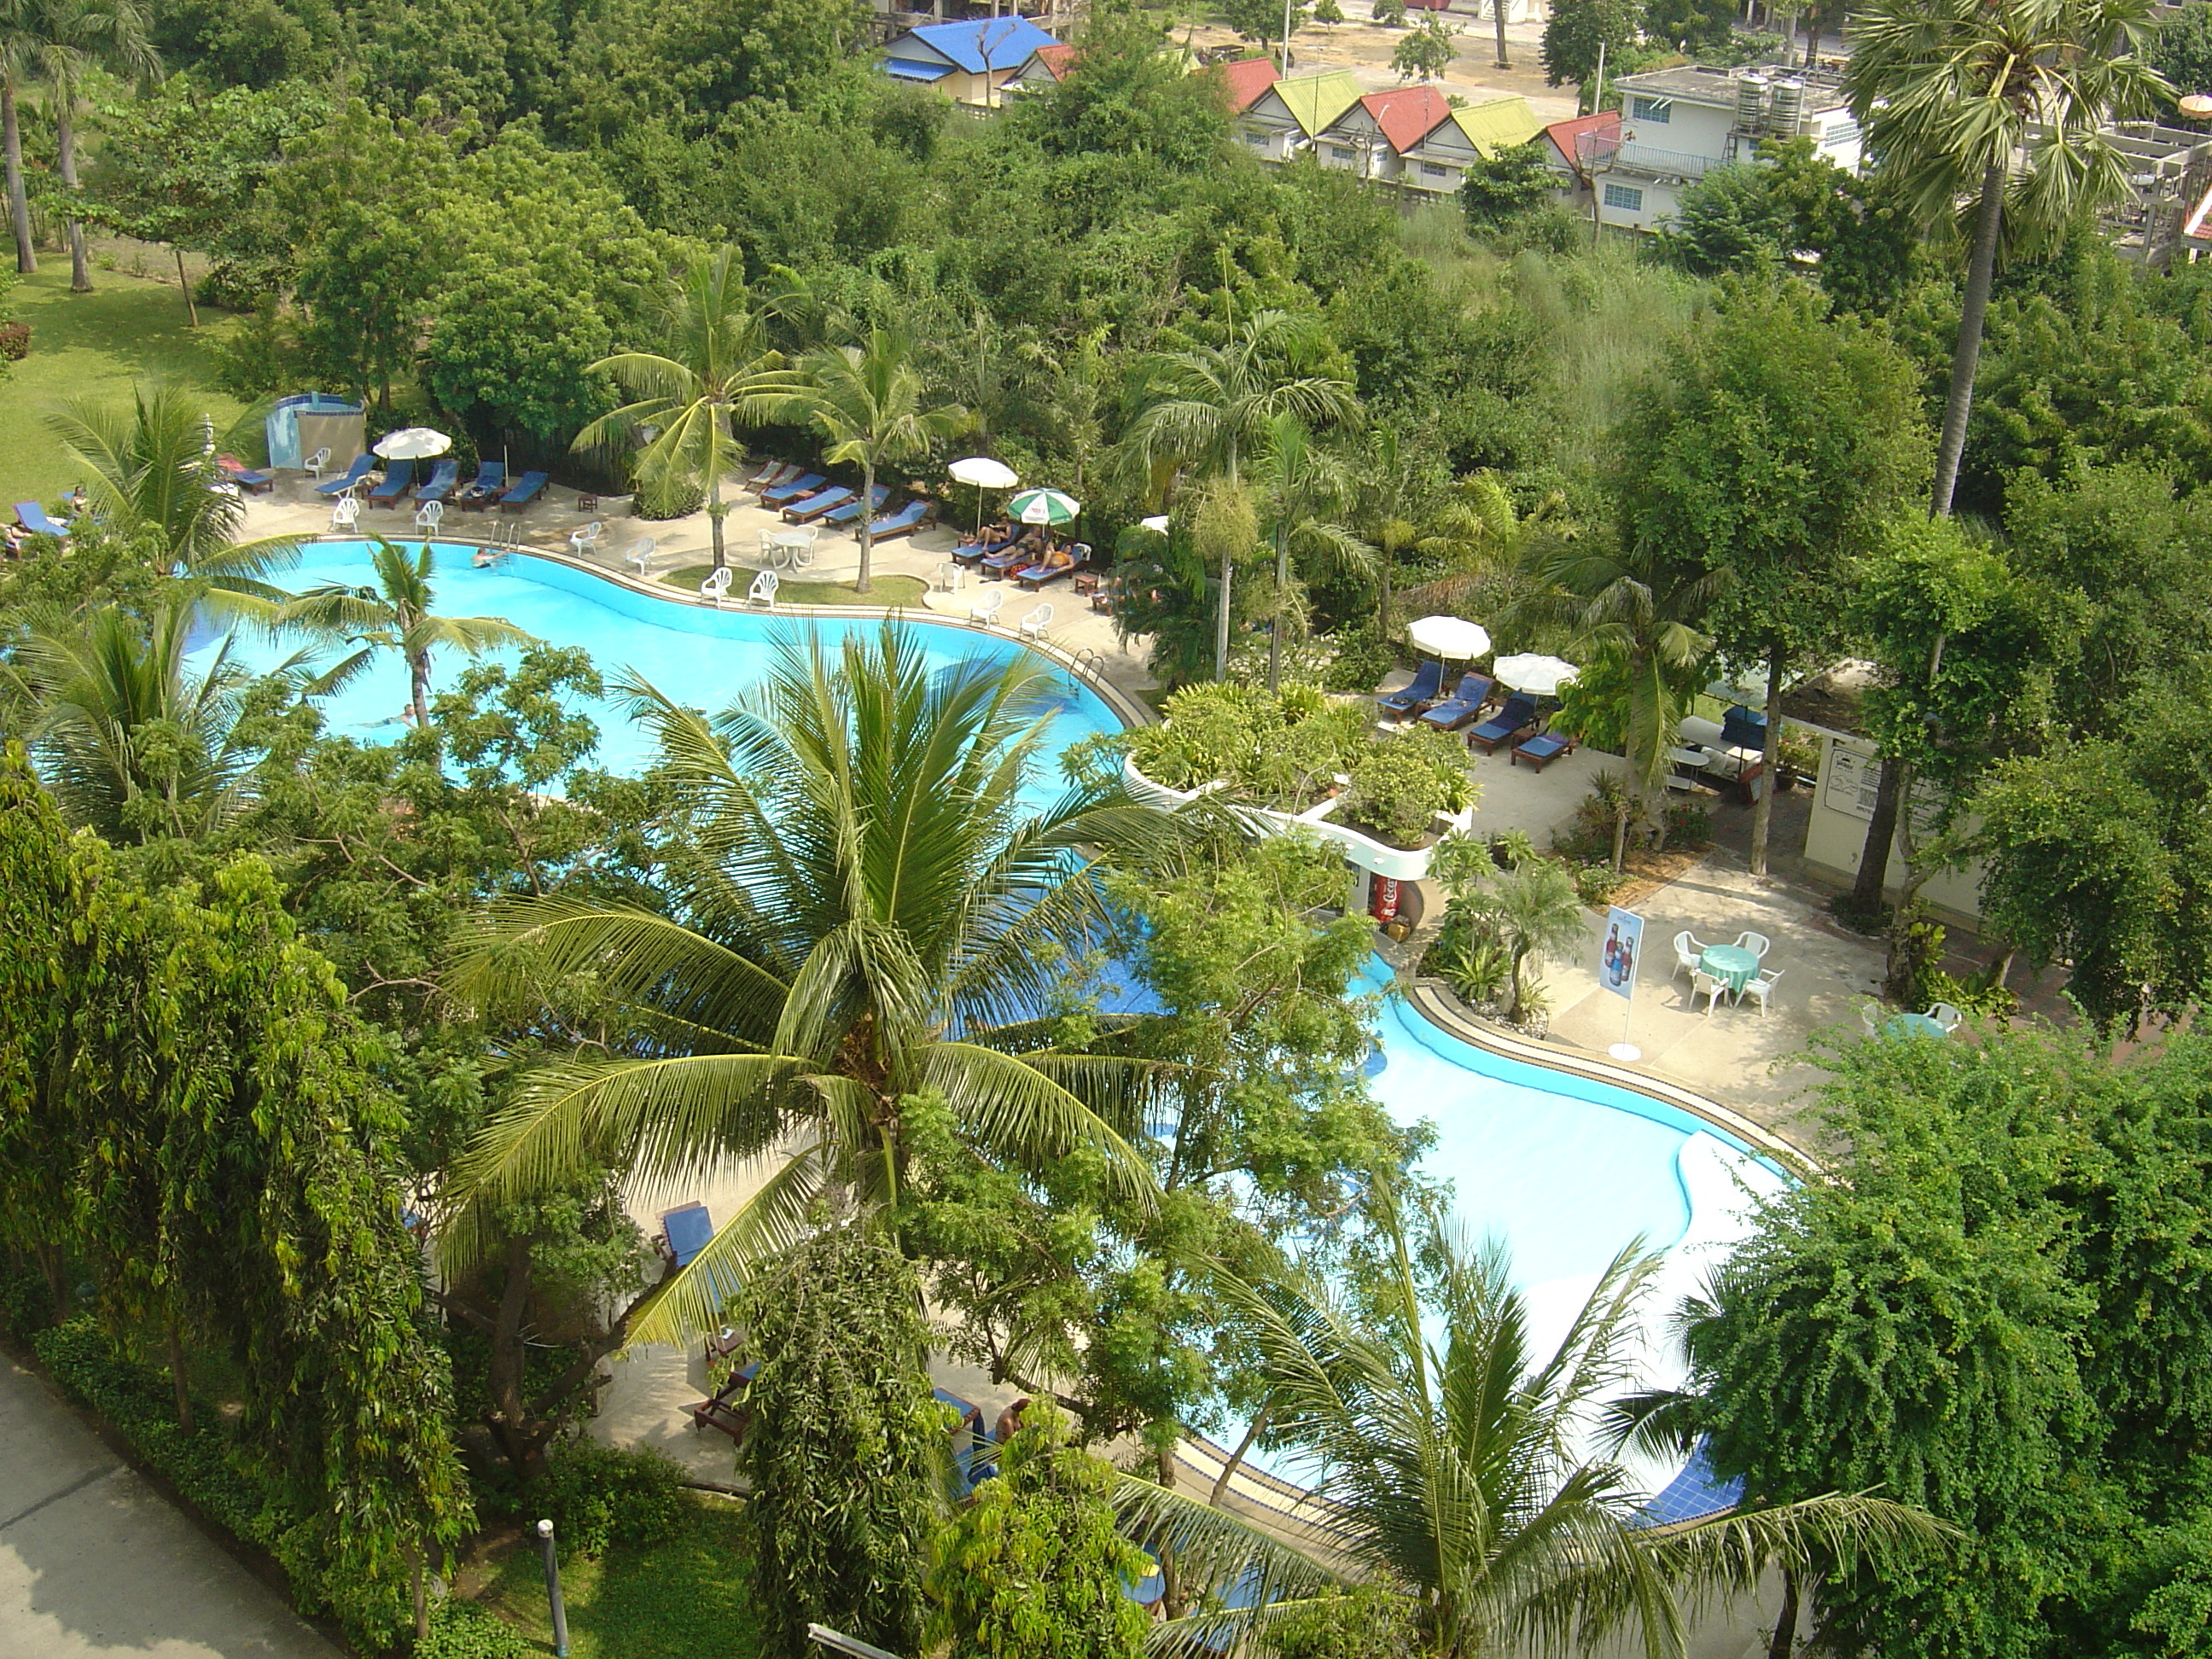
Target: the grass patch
pixel 886 590
pixel 675 1599
pixel 97 346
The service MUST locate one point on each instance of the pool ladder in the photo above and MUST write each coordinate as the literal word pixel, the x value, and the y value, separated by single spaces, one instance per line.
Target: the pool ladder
pixel 1088 664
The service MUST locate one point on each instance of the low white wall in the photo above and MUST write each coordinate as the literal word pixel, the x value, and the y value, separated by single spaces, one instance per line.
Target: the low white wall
pixel 1400 864
pixel 1835 838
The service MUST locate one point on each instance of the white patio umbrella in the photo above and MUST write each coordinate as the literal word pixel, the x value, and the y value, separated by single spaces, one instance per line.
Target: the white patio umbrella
pixel 1539 677
pixel 412 443
pixel 1044 506
pixel 985 474
pixel 1449 639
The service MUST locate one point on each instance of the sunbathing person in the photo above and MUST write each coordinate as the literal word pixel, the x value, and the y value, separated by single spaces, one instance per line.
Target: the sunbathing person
pixel 1057 558
pixel 989 535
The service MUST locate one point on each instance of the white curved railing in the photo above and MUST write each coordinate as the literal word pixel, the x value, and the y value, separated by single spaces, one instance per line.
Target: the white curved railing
pixel 1397 863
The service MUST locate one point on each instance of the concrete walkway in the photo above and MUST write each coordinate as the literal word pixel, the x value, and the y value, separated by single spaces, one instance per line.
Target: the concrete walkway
pixel 93 1561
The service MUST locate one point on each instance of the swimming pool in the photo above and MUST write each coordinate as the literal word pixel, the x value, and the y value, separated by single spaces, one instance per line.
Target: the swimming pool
pixel 694 652
pixel 1565 1169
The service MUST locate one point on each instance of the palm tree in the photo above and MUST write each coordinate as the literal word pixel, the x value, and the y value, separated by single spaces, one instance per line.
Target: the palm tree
pixel 866 398
pixel 1447 1454
pixel 151 475
pixel 1300 484
pixel 67 39
pixel 132 743
pixel 15 67
pixel 715 367
pixel 393 614
pixel 1642 608
pixel 1536 914
pixel 2008 102
pixel 868 911
pixel 1205 408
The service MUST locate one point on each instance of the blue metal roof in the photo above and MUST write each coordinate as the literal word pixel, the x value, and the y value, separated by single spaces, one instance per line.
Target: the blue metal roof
pixel 907 70
pixel 1693 1494
pixel 977 45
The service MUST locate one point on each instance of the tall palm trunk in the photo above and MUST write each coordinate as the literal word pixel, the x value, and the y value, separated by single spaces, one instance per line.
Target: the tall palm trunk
pixel 418 674
pixel 716 512
pixel 1981 273
pixel 1282 593
pixel 65 151
pixel 1762 811
pixel 1498 11
pixel 19 206
pixel 867 516
pixel 1228 557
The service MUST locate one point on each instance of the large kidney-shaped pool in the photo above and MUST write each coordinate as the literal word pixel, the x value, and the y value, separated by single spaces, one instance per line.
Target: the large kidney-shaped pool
pixel 1563 1169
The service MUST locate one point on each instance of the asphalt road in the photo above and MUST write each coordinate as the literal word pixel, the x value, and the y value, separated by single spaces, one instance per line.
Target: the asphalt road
pixel 93 1562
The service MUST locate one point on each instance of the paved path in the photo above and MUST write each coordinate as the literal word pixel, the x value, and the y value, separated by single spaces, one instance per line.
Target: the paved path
pixel 93 1561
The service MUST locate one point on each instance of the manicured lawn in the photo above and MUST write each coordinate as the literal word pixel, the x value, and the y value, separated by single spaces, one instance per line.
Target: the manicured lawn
pixel 94 345
pixel 884 590
pixel 679 1600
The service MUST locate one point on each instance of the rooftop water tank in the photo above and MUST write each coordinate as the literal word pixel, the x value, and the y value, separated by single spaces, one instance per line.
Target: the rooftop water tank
pixel 1750 102
pixel 1788 105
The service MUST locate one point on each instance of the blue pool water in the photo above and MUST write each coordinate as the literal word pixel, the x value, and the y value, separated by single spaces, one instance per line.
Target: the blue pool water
pixel 696 654
pixel 1564 1169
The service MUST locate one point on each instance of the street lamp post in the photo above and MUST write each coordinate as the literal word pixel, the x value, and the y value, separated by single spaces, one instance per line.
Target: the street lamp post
pixel 553 1591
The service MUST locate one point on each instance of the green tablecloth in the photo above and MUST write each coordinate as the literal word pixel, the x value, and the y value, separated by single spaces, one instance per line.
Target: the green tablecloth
pixel 1914 1025
pixel 1731 964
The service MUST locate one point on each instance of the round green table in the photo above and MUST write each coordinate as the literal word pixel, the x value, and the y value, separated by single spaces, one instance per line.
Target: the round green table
pixel 1731 964
pixel 1910 1025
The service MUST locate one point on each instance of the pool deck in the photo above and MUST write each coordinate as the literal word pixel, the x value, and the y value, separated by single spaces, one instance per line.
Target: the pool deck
pixel 292 507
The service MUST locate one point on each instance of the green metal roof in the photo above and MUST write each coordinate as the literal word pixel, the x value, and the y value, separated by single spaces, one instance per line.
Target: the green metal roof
pixel 1315 100
pixel 1499 124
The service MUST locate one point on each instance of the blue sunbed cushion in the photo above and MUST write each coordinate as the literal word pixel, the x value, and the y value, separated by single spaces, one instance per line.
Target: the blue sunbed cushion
pixel 688 1229
pixel 1428 680
pixel 1542 748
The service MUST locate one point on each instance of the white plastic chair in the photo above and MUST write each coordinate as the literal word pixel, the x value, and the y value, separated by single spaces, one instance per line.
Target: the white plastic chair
pixel 769 552
pixel 1758 944
pixel 1761 985
pixel 1869 1017
pixel 1702 984
pixel 584 540
pixel 1946 1016
pixel 1688 947
pixel 428 516
pixel 716 585
pixel 346 513
pixel 317 462
pixel 640 553
pixel 763 592
pixel 1034 624
pixel 986 610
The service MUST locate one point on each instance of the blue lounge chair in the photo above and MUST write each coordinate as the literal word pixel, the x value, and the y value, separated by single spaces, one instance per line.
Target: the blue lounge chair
pixel 1036 576
pixel 814 506
pixel 1010 557
pixel 32 517
pixel 791 491
pixel 1546 746
pixel 688 1228
pixel 397 479
pixel 1743 728
pixel 846 512
pixel 1463 705
pixel 974 554
pixel 904 522
pixel 442 477
pixel 245 477
pixel 1428 681
pixel 524 492
pixel 490 480
pixel 361 467
pixel 1518 716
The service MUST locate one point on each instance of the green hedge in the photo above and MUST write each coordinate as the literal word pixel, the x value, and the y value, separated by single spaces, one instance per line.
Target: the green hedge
pixel 462 1630
pixel 209 1467
pixel 598 1495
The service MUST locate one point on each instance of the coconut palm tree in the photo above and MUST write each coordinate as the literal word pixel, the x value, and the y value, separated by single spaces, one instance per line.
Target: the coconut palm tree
pixel 867 398
pixel 133 744
pixel 66 40
pixel 393 613
pixel 869 909
pixel 1536 914
pixel 1301 485
pixel 715 367
pixel 2006 103
pixel 151 475
pixel 1206 408
pixel 1640 608
pixel 1448 1450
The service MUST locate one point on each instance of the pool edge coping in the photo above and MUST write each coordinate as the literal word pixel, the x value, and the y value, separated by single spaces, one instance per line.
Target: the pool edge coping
pixel 1127 709
pixel 1426 1000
